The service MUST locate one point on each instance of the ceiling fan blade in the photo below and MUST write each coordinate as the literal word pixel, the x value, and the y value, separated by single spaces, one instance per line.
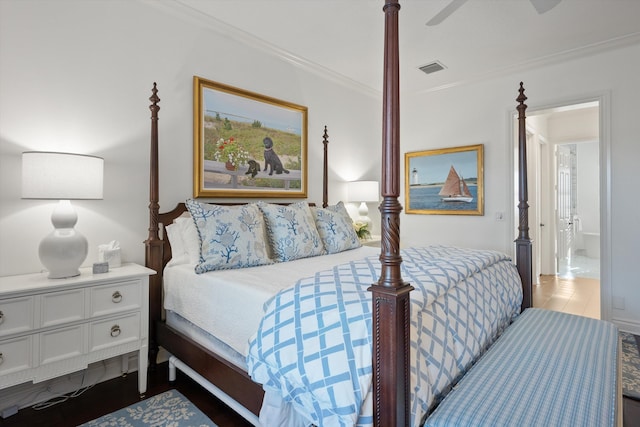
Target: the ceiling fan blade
pixel 543 6
pixel 444 13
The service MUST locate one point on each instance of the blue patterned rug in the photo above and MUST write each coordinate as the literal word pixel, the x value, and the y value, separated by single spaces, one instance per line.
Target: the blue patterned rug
pixel 169 409
pixel 630 366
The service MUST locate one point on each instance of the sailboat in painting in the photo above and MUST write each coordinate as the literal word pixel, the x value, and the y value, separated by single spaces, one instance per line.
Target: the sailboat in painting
pixel 455 189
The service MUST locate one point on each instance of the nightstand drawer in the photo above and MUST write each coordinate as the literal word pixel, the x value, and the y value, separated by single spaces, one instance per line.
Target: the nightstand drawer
pixel 61 344
pixel 59 308
pixel 15 355
pixel 116 298
pixel 16 315
pixel 111 332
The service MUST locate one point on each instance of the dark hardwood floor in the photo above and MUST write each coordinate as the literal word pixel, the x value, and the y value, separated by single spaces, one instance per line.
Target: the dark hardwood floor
pixel 117 393
pixel 123 391
pixel 631 413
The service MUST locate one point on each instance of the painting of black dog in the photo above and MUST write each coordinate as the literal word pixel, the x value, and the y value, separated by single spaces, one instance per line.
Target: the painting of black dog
pixel 254 168
pixel 271 159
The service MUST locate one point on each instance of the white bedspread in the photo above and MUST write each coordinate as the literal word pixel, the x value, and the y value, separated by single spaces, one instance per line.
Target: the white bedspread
pixel 229 304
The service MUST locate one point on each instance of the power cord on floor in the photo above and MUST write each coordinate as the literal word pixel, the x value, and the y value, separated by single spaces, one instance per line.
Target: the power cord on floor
pixel 66 396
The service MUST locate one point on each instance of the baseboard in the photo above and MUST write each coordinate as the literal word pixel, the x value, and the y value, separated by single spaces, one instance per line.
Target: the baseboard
pixel 28 394
pixel 626 325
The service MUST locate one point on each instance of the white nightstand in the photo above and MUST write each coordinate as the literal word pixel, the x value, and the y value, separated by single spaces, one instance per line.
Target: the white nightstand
pixel 373 241
pixel 52 327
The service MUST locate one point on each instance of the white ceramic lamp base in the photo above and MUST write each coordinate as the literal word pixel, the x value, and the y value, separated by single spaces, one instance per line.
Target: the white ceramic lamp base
pixel 64 250
pixel 363 211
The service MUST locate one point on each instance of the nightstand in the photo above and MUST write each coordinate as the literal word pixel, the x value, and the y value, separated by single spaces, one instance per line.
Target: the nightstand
pixel 53 327
pixel 373 241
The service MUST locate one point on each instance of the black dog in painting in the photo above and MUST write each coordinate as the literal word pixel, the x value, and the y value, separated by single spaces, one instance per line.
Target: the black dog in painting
pixel 254 168
pixel 271 159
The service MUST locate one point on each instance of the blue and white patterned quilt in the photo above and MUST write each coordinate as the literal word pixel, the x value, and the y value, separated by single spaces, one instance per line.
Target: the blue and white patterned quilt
pixel 314 342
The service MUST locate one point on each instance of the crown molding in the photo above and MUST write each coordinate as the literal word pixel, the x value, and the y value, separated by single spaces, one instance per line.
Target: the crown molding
pixel 554 59
pixel 185 12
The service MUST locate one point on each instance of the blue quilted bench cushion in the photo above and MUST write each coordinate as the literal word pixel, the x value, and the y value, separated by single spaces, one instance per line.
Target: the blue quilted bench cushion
pixel 547 369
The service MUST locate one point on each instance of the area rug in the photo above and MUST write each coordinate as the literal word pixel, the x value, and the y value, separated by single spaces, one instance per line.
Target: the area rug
pixel 630 365
pixel 169 409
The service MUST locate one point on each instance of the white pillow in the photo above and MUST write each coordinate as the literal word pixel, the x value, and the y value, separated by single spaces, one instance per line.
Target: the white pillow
pixel 178 254
pixel 230 236
pixel 292 231
pixel 336 228
pixel 190 239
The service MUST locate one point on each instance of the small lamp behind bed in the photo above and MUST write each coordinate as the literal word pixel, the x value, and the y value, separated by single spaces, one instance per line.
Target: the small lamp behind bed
pixel 363 192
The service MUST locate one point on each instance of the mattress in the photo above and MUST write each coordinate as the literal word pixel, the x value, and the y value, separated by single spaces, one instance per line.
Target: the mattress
pixel 205 339
pixel 229 304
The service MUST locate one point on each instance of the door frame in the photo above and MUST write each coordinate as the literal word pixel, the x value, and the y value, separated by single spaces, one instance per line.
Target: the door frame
pixel 604 105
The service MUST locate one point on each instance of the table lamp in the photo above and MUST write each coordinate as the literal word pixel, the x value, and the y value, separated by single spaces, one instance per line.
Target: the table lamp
pixel 363 192
pixel 63 177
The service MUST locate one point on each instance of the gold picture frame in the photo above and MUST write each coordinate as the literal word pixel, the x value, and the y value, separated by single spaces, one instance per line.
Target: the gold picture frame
pixel 247 144
pixel 446 181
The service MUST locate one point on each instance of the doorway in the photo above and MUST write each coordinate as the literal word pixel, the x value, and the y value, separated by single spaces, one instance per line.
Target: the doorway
pixel 563 146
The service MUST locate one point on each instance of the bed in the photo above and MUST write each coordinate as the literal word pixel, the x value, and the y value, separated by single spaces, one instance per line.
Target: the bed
pixel 390 300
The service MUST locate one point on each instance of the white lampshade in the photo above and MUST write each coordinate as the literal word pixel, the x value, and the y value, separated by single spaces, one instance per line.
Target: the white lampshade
pixel 62 176
pixel 363 192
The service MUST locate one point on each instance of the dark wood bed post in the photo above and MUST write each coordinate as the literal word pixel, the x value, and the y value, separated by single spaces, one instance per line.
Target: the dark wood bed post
pixel 153 244
pixel 325 171
pixel 391 305
pixel 523 242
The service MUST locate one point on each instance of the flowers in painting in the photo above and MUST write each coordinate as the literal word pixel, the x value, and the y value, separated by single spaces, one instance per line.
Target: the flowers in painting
pixel 362 230
pixel 230 151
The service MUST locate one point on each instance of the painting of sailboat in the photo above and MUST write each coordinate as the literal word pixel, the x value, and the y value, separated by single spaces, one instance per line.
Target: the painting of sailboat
pixel 455 189
pixel 447 181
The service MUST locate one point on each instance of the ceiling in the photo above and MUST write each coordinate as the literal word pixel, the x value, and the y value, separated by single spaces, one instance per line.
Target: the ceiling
pixel 479 40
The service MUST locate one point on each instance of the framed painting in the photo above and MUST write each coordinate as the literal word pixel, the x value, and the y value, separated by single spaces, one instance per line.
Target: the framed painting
pixel 446 181
pixel 246 144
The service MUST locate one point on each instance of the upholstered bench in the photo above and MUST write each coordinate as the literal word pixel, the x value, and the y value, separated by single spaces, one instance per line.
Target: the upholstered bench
pixel 547 369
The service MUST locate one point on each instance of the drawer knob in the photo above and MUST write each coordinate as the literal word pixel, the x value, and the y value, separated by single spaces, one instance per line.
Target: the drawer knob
pixel 116 297
pixel 1 316
pixel 115 331
pixel 1 358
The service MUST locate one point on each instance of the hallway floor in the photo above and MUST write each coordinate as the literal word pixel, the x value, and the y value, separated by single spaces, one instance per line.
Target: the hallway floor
pixel 575 289
pixel 575 295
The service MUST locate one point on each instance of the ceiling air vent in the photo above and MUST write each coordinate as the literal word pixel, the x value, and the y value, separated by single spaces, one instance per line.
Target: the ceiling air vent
pixel 432 67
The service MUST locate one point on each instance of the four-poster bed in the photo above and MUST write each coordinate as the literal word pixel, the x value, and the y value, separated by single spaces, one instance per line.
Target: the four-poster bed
pixel 390 312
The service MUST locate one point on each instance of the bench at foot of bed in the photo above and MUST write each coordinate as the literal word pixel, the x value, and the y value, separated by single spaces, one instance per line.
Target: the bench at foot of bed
pixel 547 369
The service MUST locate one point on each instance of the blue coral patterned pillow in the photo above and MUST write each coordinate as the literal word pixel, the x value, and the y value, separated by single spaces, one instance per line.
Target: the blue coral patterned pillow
pixel 336 228
pixel 230 236
pixel 292 231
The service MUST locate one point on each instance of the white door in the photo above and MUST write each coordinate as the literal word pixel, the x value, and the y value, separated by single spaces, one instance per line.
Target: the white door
pixel 564 214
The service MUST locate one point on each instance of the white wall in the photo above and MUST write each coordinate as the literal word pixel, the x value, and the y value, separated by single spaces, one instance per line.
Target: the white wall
pixel 76 76
pixel 480 113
